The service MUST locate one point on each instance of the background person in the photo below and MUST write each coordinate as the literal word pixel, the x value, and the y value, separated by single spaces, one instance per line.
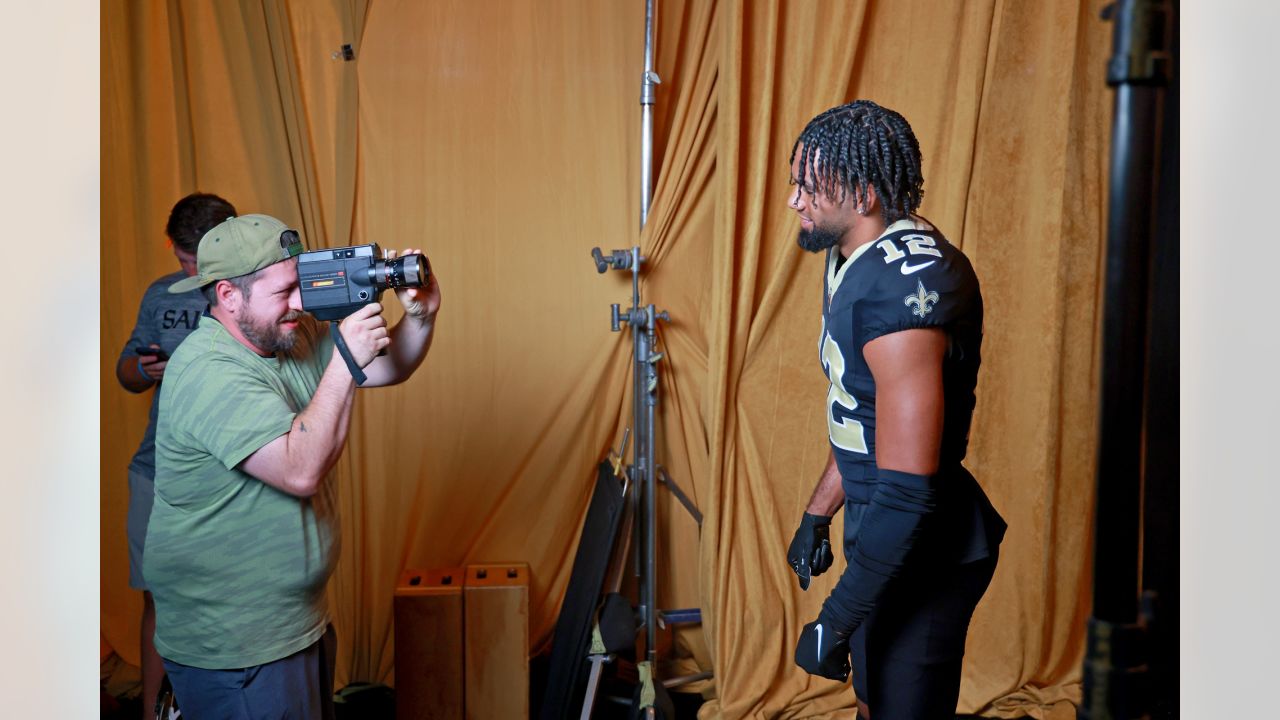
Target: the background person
pixel 164 319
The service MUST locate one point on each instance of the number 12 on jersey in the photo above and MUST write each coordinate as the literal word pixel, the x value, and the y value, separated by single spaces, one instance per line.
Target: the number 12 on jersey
pixel 845 431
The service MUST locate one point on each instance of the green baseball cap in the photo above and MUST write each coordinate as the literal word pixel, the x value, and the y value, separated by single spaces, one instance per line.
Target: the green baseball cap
pixel 238 246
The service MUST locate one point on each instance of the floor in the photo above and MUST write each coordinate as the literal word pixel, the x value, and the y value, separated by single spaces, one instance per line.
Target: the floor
pixel 120 683
pixel 358 701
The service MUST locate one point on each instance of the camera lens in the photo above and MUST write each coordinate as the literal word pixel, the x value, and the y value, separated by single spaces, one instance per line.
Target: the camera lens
pixel 401 272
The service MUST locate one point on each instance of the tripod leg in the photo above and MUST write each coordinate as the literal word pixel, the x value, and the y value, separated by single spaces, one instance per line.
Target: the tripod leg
pixel 622 548
pixel 684 499
pixel 593 685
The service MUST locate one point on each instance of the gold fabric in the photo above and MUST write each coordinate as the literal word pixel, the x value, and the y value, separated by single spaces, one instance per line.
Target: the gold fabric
pixel 502 138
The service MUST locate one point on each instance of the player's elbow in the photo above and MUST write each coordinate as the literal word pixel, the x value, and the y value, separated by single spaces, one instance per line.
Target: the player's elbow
pixel 906 491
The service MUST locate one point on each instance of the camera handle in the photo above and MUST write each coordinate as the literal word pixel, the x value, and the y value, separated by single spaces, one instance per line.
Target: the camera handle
pixel 345 352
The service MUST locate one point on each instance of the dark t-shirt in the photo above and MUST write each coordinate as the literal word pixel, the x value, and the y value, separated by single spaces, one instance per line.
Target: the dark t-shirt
pixel 163 319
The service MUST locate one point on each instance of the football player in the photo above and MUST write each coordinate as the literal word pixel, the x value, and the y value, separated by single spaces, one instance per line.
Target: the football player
pixel 900 345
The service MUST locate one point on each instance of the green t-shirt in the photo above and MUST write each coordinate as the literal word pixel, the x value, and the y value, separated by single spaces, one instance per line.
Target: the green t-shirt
pixel 237 568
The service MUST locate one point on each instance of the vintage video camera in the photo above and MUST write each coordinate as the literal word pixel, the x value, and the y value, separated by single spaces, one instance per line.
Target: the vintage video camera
pixel 338 281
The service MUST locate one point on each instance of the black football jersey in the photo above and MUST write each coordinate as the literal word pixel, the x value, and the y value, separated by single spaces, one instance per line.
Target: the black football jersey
pixel 910 277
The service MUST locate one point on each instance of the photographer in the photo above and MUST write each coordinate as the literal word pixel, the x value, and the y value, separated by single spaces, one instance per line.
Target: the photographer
pixel 244 533
pixel 164 319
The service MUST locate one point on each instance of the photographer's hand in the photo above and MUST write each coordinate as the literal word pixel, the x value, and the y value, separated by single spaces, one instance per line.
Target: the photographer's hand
pixel 421 303
pixel 365 332
pixel 411 337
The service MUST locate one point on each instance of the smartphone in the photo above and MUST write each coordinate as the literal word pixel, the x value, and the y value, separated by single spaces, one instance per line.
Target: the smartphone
pixel 161 354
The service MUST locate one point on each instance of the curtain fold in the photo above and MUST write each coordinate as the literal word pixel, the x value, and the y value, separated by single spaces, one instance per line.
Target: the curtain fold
pixel 765 394
pixel 677 241
pixel 503 139
pixel 141 170
pixel 353 14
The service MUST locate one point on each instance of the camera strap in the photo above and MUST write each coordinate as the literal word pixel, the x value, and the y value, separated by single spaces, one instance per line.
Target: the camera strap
pixel 341 344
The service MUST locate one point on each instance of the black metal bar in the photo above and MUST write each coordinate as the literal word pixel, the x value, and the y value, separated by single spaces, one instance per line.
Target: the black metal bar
pixel 1115 673
pixel 684 499
pixel 650 402
pixel 1160 512
pixel 1124 334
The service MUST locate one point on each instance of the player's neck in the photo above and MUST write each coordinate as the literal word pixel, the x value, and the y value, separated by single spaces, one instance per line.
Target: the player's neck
pixel 866 228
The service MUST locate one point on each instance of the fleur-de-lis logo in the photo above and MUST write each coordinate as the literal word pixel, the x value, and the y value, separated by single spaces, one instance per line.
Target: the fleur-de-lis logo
pixel 922 299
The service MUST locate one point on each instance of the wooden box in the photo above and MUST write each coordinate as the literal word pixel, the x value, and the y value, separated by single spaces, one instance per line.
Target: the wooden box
pixel 429 652
pixel 496 597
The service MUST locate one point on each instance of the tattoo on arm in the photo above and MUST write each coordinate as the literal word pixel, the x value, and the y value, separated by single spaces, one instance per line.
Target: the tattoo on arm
pixel 302 426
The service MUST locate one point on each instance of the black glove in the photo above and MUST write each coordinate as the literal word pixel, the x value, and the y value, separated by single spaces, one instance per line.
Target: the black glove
pixel 810 551
pixel 823 651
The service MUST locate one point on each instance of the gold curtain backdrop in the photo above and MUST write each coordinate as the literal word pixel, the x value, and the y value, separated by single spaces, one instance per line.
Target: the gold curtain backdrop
pixel 502 138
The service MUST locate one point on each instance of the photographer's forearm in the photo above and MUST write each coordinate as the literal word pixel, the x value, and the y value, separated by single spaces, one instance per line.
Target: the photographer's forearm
pixel 298 461
pixel 410 341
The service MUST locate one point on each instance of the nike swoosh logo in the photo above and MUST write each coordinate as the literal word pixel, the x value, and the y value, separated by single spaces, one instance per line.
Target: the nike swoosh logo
pixel 908 268
pixel 819 642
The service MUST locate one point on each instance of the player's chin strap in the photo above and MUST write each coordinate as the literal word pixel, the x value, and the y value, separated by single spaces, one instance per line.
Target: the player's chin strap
pixel 345 352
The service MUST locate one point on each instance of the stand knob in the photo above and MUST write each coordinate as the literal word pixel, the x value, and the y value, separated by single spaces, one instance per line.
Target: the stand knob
pixel 618 259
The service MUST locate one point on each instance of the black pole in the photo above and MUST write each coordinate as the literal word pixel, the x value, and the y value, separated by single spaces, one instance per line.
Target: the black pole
pixel 1160 472
pixel 1115 675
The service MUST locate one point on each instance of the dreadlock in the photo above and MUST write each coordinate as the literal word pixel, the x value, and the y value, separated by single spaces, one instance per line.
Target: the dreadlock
pixel 863 144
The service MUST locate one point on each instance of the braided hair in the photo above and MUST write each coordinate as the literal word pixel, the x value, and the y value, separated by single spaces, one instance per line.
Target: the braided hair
pixel 863 144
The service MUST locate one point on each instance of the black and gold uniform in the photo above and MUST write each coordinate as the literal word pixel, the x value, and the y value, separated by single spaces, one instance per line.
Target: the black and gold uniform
pixel 920 551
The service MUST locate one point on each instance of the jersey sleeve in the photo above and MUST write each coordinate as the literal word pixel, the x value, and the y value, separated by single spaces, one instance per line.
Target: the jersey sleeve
pixel 228 409
pixel 928 293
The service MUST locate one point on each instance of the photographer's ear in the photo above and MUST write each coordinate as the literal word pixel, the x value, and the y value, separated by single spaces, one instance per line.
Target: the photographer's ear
pixel 229 296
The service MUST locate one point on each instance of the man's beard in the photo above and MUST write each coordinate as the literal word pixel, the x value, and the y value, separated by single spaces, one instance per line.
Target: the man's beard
pixel 818 239
pixel 267 335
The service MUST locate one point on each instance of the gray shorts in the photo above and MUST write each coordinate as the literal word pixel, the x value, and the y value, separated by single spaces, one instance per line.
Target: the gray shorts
pixel 142 490
pixel 297 686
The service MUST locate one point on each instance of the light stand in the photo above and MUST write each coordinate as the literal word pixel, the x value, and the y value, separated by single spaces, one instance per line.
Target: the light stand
pixel 643 473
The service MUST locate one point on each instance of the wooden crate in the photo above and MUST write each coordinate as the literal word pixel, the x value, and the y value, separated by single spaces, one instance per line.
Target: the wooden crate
pixel 429 653
pixel 496 597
